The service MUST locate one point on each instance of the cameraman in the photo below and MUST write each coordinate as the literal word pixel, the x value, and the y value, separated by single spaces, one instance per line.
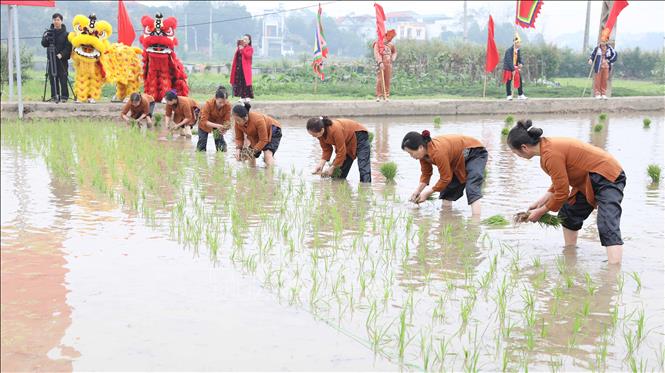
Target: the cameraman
pixel 56 37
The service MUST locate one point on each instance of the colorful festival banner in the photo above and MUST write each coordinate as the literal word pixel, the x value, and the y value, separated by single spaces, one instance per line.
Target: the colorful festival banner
pixel 526 12
pixel 320 46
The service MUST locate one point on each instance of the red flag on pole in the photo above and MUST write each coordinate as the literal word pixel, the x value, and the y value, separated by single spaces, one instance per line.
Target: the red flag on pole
pixel 126 33
pixel 380 25
pixel 617 7
pixel 492 57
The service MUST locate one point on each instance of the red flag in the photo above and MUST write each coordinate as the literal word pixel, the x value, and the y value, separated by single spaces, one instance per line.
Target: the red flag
pixel 617 7
pixel 526 12
pixel 126 32
pixel 28 3
pixel 380 25
pixel 492 57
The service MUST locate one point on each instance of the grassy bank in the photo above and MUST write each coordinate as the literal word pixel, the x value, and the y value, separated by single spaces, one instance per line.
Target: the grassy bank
pixel 279 87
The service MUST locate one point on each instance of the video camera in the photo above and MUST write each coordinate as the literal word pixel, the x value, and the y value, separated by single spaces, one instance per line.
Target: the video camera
pixel 49 36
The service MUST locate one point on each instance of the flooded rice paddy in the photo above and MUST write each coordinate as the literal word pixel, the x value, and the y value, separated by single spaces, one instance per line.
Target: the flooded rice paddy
pixel 122 252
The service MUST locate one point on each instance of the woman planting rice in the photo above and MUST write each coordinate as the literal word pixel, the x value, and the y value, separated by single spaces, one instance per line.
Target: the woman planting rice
pixel 461 162
pixel 596 178
pixel 184 110
pixel 262 131
pixel 349 139
pixel 139 108
pixel 215 118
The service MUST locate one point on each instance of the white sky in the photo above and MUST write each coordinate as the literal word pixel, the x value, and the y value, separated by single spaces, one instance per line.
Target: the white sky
pixel 556 17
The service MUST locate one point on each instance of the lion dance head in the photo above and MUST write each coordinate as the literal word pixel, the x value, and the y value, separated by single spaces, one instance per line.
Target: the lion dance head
pixel 158 34
pixel 90 36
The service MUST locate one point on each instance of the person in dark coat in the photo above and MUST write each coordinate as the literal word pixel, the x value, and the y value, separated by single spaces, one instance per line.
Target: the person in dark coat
pixel 512 66
pixel 57 34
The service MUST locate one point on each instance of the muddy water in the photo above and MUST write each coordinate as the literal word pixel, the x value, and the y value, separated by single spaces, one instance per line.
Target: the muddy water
pixel 87 284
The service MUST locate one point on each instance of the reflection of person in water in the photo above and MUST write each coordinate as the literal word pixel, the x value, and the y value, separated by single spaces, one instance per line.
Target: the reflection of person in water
pixel 558 315
pixel 596 178
pixel 450 251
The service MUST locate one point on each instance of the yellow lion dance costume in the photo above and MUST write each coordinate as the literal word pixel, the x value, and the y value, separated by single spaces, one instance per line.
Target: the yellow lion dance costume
pixel 97 61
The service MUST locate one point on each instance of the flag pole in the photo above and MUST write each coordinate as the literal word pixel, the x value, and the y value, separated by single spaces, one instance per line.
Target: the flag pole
pixel 485 85
pixel 383 84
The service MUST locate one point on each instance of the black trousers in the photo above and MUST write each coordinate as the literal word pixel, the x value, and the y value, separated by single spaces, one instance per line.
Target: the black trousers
pixel 59 82
pixel 509 86
pixel 201 145
pixel 363 155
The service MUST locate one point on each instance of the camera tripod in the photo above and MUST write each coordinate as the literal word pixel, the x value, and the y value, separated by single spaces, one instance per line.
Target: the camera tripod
pixel 52 71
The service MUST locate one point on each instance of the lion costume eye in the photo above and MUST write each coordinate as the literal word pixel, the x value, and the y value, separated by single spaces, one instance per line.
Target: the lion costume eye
pixel 102 35
pixel 146 31
pixel 78 28
pixel 169 32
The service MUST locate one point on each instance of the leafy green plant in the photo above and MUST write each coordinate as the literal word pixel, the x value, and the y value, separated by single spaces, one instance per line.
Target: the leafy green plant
pixel 646 122
pixel 505 131
pixel 597 128
pixel 370 136
pixel 653 170
pixel 496 220
pixel 389 170
pixel 437 122
pixel 509 120
pixel 602 117
pixel 158 119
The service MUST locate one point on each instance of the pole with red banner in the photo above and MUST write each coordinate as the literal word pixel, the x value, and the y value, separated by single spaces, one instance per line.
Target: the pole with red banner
pixel 492 54
pixel 381 31
pixel 126 34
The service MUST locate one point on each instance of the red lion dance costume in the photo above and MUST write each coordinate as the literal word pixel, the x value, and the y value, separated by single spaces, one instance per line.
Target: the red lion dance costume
pixel 162 70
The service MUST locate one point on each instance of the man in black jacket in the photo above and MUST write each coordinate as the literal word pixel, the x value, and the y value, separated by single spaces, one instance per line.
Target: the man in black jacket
pixel 512 64
pixel 57 35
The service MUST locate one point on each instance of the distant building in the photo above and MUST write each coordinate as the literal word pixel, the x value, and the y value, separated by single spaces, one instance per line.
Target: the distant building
pixel 408 25
pixel 272 33
pixel 363 25
pixel 411 31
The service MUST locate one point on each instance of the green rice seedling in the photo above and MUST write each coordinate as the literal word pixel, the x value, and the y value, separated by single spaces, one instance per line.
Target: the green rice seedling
pixel 629 340
pixel 614 316
pixel 547 220
pixel 590 287
pixel 402 334
pixel 337 172
pixel 441 353
pixel 586 308
pixel 536 262
pixel 505 131
pixel 639 332
pixel 637 279
pixel 496 221
pixel 371 137
pixel 636 368
pixel 602 117
pixel 425 349
pixel 389 170
pixel 437 122
pixel 646 122
pixel 509 120
pixel 505 359
pixel 620 282
pixel 660 356
pixel 601 352
pixel 597 128
pixel 653 170
pixel 560 264
pixel 158 119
